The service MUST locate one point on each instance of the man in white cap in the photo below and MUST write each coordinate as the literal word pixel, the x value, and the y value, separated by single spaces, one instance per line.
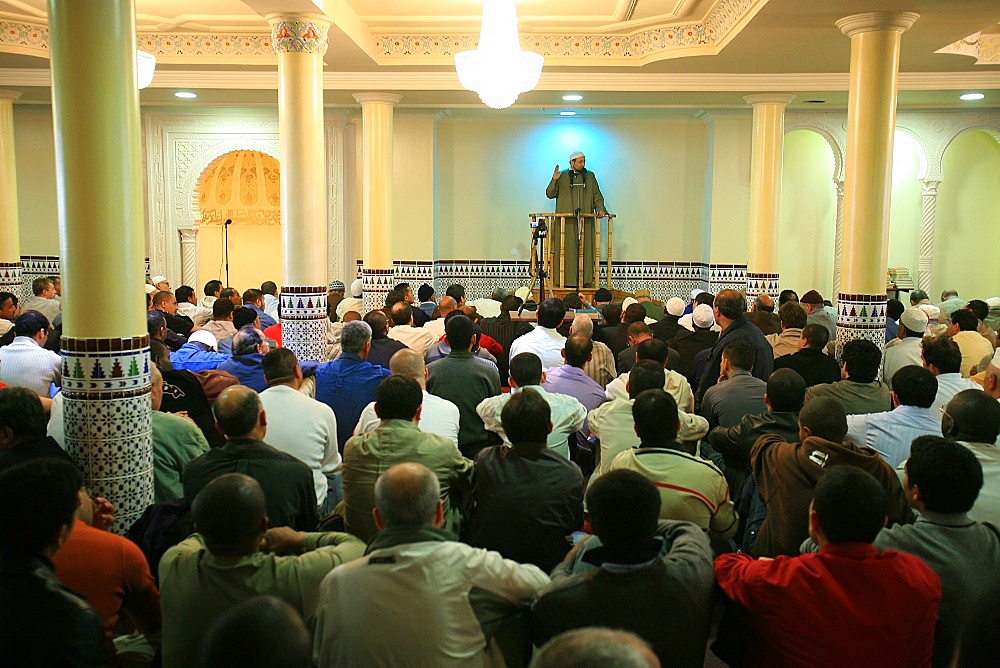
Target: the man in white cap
pixel 668 326
pixel 575 190
pixel 906 351
pixel 354 302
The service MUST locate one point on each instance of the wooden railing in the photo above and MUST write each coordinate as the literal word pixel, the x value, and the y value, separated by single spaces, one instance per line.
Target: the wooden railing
pixel 550 263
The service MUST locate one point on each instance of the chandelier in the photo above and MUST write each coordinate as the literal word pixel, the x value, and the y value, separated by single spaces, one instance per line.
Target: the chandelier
pixel 498 69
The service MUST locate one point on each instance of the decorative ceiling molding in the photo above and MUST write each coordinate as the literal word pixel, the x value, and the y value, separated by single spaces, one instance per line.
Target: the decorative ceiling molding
pixel 985 48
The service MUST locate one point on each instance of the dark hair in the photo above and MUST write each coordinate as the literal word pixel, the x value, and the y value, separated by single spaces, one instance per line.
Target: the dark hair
pixel 246 340
pixel 377 321
pixel 624 510
pixel 572 300
pixel 613 314
pixel 977 306
pixel 551 313
pixel 269 288
pixel 154 321
pixel 816 336
pixel 915 386
pixel 645 375
pixel 395 297
pixel 456 291
pixel 52 486
pixel 634 313
pixel 851 505
pixel 653 349
pixel 510 303
pixel 975 416
pixel 401 288
pixel 425 292
pixel 740 354
pixel 398 398
pixel 942 352
pixel 250 295
pixel 787 296
pixel 263 630
pixel 637 329
pixel 578 348
pixel 655 415
pixel 527 417
pixel 4 296
pixel 227 293
pixel 228 512
pixel 825 418
pixel 948 474
pixel 917 296
pixel 786 391
pixel 21 411
pixel 279 365
pixel 894 308
pixel 706 298
pixel 966 320
pixel 221 308
pixel 212 287
pixel 526 369
pixel 162 297
pixel 460 331
pixel 761 305
pixel 183 293
pixel 862 359
pixel 243 316
pixel 730 303
pixel 402 313
pixel 238 415
pixel 792 315
pixel 30 323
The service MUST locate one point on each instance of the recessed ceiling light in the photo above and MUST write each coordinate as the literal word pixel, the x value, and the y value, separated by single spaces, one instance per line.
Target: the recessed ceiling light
pixel 567 113
pixel 572 98
pixel 185 94
pixel 969 97
pixel 815 101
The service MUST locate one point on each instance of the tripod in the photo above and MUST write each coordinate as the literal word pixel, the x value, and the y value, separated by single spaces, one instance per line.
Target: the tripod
pixel 538 234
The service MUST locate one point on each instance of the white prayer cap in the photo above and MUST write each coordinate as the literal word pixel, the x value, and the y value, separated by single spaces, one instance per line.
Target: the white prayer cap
pixel 628 302
pixel 675 306
pixel 574 155
pixel 696 292
pixel 157 279
pixel 523 293
pixel 357 288
pixel 703 316
pixel 914 320
pixel 205 337
pixel 151 289
pixel 932 311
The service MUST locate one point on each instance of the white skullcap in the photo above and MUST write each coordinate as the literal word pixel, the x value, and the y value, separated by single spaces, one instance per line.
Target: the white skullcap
pixel 675 306
pixel 932 311
pixel 628 302
pixel 696 292
pixel 914 320
pixel 993 301
pixel 151 289
pixel 574 155
pixel 205 337
pixel 702 316
pixel 357 288
pixel 157 279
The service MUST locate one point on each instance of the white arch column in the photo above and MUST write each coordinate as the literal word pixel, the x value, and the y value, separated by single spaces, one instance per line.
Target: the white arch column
pixel 838 243
pixel 928 215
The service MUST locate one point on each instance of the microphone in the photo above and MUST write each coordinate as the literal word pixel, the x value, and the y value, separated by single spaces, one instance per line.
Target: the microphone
pixel 229 221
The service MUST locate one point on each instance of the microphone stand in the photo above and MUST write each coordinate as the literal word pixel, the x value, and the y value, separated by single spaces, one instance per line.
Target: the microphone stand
pixel 538 251
pixel 225 228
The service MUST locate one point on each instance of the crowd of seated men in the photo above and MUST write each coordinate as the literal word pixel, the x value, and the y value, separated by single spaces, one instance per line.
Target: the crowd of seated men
pixel 503 482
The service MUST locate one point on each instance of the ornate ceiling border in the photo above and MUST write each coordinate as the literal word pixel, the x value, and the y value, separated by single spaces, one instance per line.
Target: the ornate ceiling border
pixel 984 48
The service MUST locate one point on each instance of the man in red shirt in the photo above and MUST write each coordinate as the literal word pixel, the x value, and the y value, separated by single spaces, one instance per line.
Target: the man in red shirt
pixel 848 604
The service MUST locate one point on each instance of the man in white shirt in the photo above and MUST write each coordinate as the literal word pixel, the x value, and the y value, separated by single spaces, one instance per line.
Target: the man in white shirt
pixel 44 300
pixel 973 419
pixel 402 330
pixel 187 306
pixel 544 340
pixel 8 311
pixel 906 350
pixel 439 416
pixel 354 302
pixel 25 363
pixel 943 357
pixel 302 427
pixel 567 412
pixel 436 326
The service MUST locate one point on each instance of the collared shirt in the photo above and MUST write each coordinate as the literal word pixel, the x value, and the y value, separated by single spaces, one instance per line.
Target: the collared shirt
pixel 545 342
pixel 347 385
pixel 892 432
pixel 785 343
pixel 465 381
pixel 192 358
pixel 572 381
pixel 725 404
pixel 905 352
pixel 568 415
pixel 415 338
pixel 950 384
pixel 199 314
pixel 50 308
pixel 987 506
pixel 438 416
pixel 265 320
pixel 176 441
pixel 601 366
pixel 271 303
pixel 974 347
pixel 24 363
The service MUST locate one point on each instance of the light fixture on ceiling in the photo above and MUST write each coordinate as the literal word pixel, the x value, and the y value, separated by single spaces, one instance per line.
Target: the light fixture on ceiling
pixel 185 95
pixel 498 70
pixel 145 66
pixel 567 113
pixel 971 97
pixel 572 98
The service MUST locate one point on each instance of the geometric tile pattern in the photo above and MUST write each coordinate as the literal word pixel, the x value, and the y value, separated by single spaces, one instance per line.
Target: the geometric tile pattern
pixel 378 283
pixel 106 420
pixel 481 277
pixel 860 317
pixel 727 277
pixel 303 321
pixel 761 284
pixel 10 279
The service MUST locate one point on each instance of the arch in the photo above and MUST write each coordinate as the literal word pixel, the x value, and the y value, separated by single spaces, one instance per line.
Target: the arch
pixel 918 142
pixel 836 142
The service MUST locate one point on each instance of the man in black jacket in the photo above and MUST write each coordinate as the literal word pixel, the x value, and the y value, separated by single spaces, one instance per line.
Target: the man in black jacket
pixel 811 361
pixel 730 313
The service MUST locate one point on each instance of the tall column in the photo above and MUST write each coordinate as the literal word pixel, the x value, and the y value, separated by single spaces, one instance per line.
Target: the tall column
pixel 871 121
pixel 928 215
pixel 765 192
pixel 376 179
pixel 300 41
pixel 105 352
pixel 838 241
pixel 10 235
pixel 189 256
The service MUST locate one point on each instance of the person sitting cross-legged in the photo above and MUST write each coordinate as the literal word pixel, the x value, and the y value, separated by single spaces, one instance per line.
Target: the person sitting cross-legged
pixel 811 361
pixel 860 391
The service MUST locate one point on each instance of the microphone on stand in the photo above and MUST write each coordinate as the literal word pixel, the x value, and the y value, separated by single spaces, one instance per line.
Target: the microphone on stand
pixel 229 221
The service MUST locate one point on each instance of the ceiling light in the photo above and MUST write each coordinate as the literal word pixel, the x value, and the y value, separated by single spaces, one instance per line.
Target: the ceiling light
pixel 185 95
pixel 145 66
pixel 572 98
pixel 969 97
pixel 498 69
pixel 567 113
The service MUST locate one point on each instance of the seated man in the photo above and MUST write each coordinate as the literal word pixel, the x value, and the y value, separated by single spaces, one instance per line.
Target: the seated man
pixel 626 574
pixel 762 314
pixel 974 346
pixel 568 414
pixel 812 302
pixel 601 366
pixel 528 497
pixel 972 418
pixel 187 306
pixel 176 441
pixel 846 605
pixel 787 474
pixel 793 319
pixel 253 299
pixel 612 422
pixel 25 362
pixel 690 342
pixel 691 489
pixel 247 362
pixel 438 624
pixel 302 427
pixel 383 347
pixel 942 481
pixel 221 326
pixel 235 555
pixel 42 623
pixel 8 311
pixel 403 331
pixel 22 429
pixel 272 305
pixel 44 299
pixel 397 439
pixel 166 302
pixel 861 391
pixel 811 361
pixel 198 354
pixel 905 348
pixel 891 432
pixel 737 392
pixel 287 482
pixel 943 357
pixel 348 383
pixel 595 646
pixel 544 340
pixel 262 630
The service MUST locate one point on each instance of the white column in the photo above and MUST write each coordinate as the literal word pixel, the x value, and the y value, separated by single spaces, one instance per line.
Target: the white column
pixel 928 215
pixel 189 256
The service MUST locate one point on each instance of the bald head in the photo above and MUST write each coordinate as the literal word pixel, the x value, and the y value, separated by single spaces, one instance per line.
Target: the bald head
pixel 582 324
pixel 763 303
pixel 231 514
pixel 409 364
pixel 408 496
pixel 447 305
pixel 238 413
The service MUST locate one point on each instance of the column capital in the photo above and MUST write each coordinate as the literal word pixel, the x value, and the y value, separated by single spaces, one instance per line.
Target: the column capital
pixel 12 95
pixel 768 98
pixel 876 21
pixel 388 98
pixel 929 186
pixel 299 33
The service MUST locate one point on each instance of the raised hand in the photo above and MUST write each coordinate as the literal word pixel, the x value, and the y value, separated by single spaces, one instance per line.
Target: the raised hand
pixel 556 173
